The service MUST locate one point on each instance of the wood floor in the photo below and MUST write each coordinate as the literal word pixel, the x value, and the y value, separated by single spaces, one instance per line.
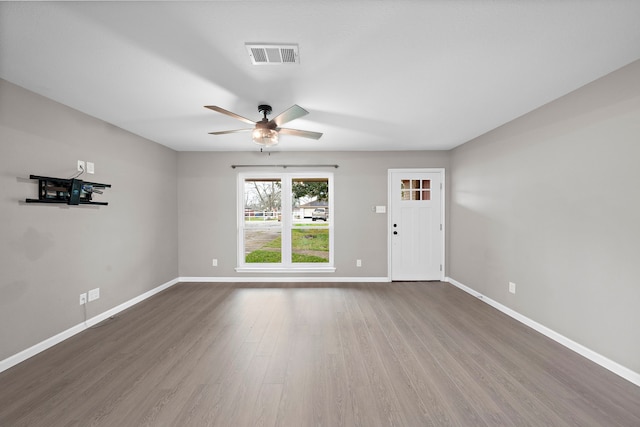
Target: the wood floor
pixel 374 354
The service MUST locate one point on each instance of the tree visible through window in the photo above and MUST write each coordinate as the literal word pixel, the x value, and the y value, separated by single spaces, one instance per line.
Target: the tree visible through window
pixel 285 220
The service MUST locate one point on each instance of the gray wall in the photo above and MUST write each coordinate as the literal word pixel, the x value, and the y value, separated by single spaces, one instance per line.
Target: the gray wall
pixel 550 201
pixel 207 215
pixel 49 254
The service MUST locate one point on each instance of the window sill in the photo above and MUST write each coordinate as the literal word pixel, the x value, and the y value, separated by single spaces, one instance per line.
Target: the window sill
pixel 285 269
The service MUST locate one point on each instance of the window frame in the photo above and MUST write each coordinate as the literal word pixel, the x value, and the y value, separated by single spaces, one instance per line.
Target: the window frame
pixel 286 265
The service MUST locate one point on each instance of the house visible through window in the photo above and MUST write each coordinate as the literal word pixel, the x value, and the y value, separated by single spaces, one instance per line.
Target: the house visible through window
pixel 285 222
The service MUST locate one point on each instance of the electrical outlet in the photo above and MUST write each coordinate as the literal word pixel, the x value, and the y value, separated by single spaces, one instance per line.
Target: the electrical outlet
pixel 94 294
pixel 214 262
pixel 358 263
pixel 83 298
pixel 512 287
pixel 81 166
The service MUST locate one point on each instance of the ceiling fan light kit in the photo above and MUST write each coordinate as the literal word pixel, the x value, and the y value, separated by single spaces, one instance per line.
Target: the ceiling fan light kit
pixel 265 137
pixel 266 132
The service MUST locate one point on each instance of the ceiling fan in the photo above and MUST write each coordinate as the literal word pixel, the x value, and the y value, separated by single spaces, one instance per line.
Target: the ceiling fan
pixel 265 132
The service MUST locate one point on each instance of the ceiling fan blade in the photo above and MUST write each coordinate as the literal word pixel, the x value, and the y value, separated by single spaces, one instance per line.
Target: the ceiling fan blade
pixel 223 132
pixel 294 112
pixel 229 113
pixel 302 133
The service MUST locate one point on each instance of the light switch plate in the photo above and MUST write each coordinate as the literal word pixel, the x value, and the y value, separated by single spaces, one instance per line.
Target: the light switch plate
pixel 381 209
pixel 90 167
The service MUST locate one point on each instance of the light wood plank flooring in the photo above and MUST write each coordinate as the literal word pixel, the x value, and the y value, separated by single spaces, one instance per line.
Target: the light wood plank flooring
pixel 365 354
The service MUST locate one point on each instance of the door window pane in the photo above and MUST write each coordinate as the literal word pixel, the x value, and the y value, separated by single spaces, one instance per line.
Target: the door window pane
pixel 415 189
pixel 426 189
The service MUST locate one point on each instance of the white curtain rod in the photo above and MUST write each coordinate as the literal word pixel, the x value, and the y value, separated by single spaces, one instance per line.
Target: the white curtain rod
pixel 284 166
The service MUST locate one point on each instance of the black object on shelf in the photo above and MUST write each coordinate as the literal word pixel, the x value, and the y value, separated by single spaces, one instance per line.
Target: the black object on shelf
pixel 70 191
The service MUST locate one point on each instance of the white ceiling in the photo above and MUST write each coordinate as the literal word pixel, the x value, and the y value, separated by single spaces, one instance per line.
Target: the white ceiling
pixel 374 75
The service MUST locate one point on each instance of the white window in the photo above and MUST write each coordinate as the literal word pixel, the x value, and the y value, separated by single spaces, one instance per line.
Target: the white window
pixel 285 222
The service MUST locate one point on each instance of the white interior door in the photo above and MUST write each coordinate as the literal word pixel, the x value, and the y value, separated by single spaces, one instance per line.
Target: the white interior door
pixel 416 226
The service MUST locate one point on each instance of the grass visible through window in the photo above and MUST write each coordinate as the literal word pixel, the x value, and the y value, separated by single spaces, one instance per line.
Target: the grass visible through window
pixel 308 245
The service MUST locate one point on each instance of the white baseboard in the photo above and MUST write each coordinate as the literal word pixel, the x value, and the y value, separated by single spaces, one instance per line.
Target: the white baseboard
pixel 58 338
pixel 248 279
pixel 606 363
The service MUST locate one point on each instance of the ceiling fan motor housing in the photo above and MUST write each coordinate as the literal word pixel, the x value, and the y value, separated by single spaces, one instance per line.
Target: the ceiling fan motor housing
pixel 265 123
pixel 265 109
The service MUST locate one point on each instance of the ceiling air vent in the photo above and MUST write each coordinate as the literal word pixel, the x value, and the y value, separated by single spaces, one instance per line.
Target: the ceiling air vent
pixel 273 54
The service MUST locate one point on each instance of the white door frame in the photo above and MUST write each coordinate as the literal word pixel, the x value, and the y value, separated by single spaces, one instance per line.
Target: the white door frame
pixel 441 171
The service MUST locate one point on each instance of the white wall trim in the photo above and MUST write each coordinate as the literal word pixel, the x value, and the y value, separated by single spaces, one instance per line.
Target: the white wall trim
pixel 282 279
pixel 601 360
pixel 286 224
pixel 58 338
